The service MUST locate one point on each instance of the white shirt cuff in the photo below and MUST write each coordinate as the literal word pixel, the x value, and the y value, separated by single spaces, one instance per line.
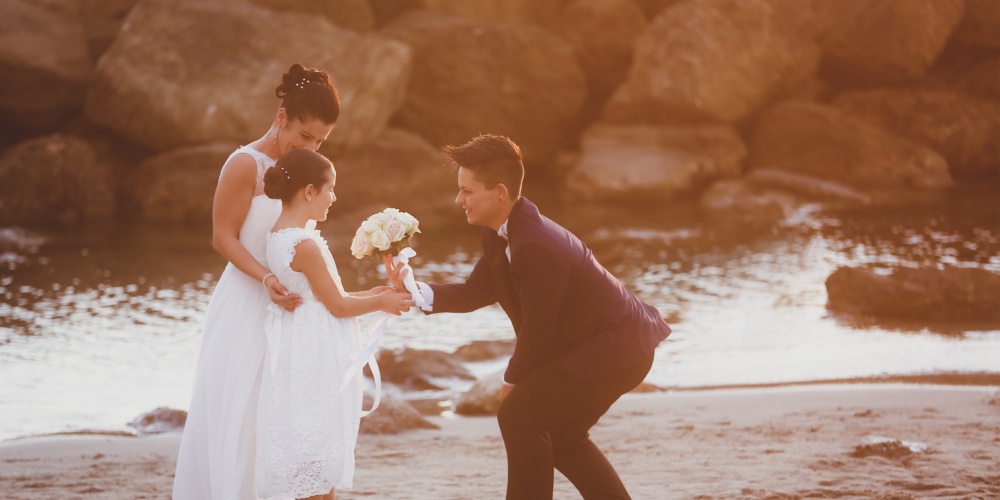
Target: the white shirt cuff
pixel 428 293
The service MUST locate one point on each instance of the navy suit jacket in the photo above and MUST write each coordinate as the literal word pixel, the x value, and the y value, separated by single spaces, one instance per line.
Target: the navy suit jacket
pixel 568 312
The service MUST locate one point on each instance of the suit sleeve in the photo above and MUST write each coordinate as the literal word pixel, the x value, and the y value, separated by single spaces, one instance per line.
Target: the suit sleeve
pixel 543 282
pixel 476 292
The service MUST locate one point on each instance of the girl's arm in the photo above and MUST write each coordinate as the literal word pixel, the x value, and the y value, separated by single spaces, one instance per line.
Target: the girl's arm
pixel 229 209
pixel 309 261
pixel 374 291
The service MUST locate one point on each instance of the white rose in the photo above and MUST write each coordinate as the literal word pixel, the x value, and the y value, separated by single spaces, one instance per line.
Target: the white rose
pixel 409 221
pixel 370 226
pixel 380 240
pixel 396 230
pixel 360 246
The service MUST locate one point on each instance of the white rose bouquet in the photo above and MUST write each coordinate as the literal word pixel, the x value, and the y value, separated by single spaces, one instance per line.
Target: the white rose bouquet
pixel 387 232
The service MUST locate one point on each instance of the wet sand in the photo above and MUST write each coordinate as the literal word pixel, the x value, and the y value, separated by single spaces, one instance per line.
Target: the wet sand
pixel 774 442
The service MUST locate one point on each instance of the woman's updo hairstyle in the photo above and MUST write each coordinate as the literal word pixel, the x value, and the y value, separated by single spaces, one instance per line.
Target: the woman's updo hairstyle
pixel 308 93
pixel 295 170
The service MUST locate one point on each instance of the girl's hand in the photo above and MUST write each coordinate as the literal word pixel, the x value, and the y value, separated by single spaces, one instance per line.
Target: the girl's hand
pixel 280 296
pixel 394 302
pixel 395 273
pixel 379 289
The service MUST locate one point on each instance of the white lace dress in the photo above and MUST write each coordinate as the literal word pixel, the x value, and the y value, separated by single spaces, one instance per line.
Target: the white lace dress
pixel 307 427
pixel 216 457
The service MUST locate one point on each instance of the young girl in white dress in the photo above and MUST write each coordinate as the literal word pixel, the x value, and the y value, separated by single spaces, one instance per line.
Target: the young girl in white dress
pixel 307 427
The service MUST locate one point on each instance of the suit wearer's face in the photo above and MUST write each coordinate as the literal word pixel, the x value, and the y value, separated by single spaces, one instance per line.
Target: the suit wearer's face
pixel 482 205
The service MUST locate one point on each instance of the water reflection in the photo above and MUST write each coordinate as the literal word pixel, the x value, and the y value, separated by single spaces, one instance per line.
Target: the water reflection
pixel 100 324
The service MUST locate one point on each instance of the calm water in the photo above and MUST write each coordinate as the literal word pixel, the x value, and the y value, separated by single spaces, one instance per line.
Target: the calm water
pixel 101 324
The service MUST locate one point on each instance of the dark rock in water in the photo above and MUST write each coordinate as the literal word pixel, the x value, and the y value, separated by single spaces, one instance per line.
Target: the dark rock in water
pixel 159 421
pixel 54 179
pixel 392 416
pixel 952 293
pixel 483 398
pixel 893 449
pixel 417 369
pixel 806 186
pixel 481 350
pixel 742 203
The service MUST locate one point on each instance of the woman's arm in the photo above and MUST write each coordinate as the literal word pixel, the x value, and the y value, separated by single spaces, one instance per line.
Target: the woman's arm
pixel 229 209
pixel 309 261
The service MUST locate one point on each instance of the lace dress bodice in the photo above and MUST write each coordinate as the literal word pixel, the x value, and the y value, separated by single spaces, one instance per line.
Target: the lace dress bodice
pixel 281 252
pixel 263 210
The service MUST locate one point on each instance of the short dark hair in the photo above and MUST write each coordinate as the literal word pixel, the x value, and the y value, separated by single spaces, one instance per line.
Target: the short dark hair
pixel 295 170
pixel 308 93
pixel 493 159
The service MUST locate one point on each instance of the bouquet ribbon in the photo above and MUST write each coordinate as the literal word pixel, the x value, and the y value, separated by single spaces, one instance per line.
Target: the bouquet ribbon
pixel 366 356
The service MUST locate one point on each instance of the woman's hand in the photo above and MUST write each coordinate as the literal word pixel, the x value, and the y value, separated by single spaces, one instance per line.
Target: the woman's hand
pixel 279 295
pixel 394 302
pixel 396 273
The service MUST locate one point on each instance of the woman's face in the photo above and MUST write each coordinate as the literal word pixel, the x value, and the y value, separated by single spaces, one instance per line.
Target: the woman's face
pixel 320 198
pixel 306 134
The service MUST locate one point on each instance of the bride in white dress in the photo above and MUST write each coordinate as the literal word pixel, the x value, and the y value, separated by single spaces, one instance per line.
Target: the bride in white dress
pixel 307 425
pixel 216 457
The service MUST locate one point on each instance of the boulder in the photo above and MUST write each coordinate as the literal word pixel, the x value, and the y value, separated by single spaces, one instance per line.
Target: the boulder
pixel 981 24
pixel 190 73
pixel 888 42
pixel 45 64
pixel 805 186
pixel 102 19
pixel 602 33
pixel 471 77
pixel 392 416
pixel 816 139
pixel 928 293
pixel 420 369
pixel 964 130
pixel 482 350
pixel 353 14
pixel 179 185
pixel 741 202
pixel 54 179
pixel 981 81
pixel 499 11
pixel 653 163
pixel 401 169
pixel 159 421
pixel 652 8
pixel 714 60
pixel 483 398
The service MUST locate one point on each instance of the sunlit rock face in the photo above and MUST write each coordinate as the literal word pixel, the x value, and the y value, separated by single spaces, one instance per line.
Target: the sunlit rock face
pixel 54 179
pixel 820 140
pixel 499 11
pixel 470 78
pixel 713 60
pixel 354 14
pixel 889 42
pixel 45 64
pixel 653 163
pixel 184 73
pixel 962 129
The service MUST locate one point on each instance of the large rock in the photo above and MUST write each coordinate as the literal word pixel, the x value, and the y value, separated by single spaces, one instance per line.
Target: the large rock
pixel 500 11
pixel 654 163
pixel 159 421
pixel 981 23
pixel 715 60
pixel 742 202
pixel 354 14
pixel 45 64
pixel 102 19
pixel 981 81
pixel 952 293
pixel 420 369
pixel 602 33
pixel 964 130
pixel 189 73
pixel 886 42
pixel 392 416
pixel 482 350
pixel 179 185
pixel 820 140
pixel 54 179
pixel 400 169
pixel 470 78
pixel 483 398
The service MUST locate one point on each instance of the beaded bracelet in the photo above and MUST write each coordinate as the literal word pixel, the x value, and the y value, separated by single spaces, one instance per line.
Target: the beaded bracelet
pixel 263 281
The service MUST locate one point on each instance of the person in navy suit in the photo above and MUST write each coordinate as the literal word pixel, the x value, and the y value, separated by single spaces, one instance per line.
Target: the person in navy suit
pixel 583 339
